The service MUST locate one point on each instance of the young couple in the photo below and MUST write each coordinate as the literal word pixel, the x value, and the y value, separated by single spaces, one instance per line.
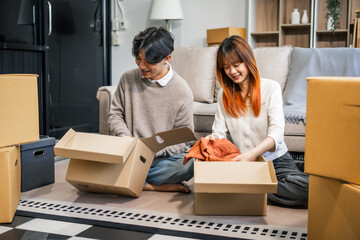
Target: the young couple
pixel 154 98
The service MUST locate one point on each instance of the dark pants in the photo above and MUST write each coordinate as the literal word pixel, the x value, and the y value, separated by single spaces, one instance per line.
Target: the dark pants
pixel 293 185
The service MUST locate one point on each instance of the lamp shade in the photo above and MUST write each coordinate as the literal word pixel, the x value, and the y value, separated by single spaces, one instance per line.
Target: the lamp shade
pixel 166 9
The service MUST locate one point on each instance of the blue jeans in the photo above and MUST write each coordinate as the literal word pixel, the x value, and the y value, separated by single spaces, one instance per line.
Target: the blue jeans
pixel 170 170
pixel 293 185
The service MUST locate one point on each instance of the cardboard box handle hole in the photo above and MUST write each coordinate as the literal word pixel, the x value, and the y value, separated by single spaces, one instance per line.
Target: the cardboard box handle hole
pixel 142 159
pixel 159 139
pixel 38 153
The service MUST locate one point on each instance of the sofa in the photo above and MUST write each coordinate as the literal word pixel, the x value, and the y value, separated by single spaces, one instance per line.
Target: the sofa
pixel 287 65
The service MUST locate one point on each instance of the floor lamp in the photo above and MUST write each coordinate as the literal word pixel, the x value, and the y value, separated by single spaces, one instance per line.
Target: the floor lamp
pixel 356 32
pixel 166 10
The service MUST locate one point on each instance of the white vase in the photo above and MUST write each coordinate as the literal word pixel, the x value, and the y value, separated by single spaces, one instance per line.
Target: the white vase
pixel 305 18
pixel 329 25
pixel 295 17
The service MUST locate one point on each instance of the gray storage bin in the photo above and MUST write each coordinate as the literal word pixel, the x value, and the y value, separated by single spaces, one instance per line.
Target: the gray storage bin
pixel 37 163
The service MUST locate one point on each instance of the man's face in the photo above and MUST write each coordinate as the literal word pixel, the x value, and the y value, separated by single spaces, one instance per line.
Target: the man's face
pixel 151 71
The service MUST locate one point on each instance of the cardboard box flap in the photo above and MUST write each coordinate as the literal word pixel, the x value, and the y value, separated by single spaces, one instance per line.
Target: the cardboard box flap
pixel 164 139
pixel 234 177
pixel 95 147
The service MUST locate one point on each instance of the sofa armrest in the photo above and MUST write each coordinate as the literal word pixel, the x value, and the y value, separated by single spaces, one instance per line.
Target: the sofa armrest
pixel 104 95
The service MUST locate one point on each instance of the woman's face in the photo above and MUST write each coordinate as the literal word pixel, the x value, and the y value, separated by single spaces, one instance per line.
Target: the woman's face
pixel 151 71
pixel 236 71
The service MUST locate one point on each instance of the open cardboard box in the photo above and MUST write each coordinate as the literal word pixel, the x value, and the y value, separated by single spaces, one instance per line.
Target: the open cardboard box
pixel 233 188
pixel 114 165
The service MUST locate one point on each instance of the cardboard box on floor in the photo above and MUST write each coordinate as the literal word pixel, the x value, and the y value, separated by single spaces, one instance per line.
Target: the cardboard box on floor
pixel 333 128
pixel 233 188
pixel 216 36
pixel 114 165
pixel 10 169
pixel 19 113
pixel 334 209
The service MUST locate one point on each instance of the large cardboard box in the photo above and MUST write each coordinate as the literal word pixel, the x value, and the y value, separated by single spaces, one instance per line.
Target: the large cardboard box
pixel 334 209
pixel 233 188
pixel 114 165
pixel 37 163
pixel 216 36
pixel 9 182
pixel 333 128
pixel 19 114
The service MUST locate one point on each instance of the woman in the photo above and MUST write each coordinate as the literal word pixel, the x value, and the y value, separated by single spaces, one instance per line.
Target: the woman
pixel 250 108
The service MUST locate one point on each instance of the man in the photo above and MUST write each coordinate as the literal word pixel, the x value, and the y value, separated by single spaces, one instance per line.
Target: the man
pixel 153 98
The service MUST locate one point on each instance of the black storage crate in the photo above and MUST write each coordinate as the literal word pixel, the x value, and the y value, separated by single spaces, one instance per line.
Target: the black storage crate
pixel 37 163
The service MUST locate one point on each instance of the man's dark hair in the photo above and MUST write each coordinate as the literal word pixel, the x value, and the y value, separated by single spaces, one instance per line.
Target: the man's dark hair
pixel 157 43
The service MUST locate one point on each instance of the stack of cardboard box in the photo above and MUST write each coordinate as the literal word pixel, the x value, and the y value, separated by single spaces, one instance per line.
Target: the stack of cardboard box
pixel 332 150
pixel 19 123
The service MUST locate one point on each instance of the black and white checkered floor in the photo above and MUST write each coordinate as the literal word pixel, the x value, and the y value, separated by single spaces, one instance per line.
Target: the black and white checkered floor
pixel 25 228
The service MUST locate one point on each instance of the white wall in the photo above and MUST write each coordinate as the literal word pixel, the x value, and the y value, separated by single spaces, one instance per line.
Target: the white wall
pixel 199 15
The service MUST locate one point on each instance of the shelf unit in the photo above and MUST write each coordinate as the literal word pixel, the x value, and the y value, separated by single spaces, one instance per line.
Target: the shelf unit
pixel 273 28
pixel 342 37
pixel 269 24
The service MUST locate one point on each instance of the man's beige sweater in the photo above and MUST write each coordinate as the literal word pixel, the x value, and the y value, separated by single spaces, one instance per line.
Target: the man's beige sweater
pixel 142 108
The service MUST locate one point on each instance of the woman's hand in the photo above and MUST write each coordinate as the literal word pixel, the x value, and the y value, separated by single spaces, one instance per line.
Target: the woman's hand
pixel 245 157
pixel 212 137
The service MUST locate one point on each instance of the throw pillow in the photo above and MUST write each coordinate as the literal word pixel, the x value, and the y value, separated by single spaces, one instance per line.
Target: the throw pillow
pixel 197 67
pixel 273 63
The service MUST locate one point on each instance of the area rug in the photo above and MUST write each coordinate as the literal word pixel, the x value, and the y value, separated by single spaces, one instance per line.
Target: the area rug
pixel 155 212
pixel 200 227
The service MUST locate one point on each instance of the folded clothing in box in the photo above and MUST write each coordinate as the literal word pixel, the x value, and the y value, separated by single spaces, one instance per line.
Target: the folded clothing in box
pixel 37 163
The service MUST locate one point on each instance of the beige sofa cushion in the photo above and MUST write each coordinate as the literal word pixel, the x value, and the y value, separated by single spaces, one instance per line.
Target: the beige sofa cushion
pixel 273 63
pixel 197 67
pixel 204 115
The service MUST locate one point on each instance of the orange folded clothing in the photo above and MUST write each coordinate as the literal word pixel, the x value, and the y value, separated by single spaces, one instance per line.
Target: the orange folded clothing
pixel 212 150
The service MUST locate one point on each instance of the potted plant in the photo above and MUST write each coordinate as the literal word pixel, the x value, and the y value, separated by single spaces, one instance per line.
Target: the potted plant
pixel 334 13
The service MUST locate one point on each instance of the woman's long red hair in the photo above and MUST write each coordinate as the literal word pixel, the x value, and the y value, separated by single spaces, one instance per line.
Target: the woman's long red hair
pixel 236 49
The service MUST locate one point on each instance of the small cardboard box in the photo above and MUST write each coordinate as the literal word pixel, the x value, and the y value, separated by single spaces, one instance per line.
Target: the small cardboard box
pixel 334 209
pixel 333 128
pixel 233 188
pixel 19 113
pixel 216 36
pixel 9 182
pixel 114 165
pixel 37 163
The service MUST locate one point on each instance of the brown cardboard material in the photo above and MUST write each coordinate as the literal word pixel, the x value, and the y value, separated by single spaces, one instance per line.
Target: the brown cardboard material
pixel 332 128
pixel 95 147
pixel 334 209
pixel 216 36
pixel 10 182
pixel 123 174
pixel 19 113
pixel 233 188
